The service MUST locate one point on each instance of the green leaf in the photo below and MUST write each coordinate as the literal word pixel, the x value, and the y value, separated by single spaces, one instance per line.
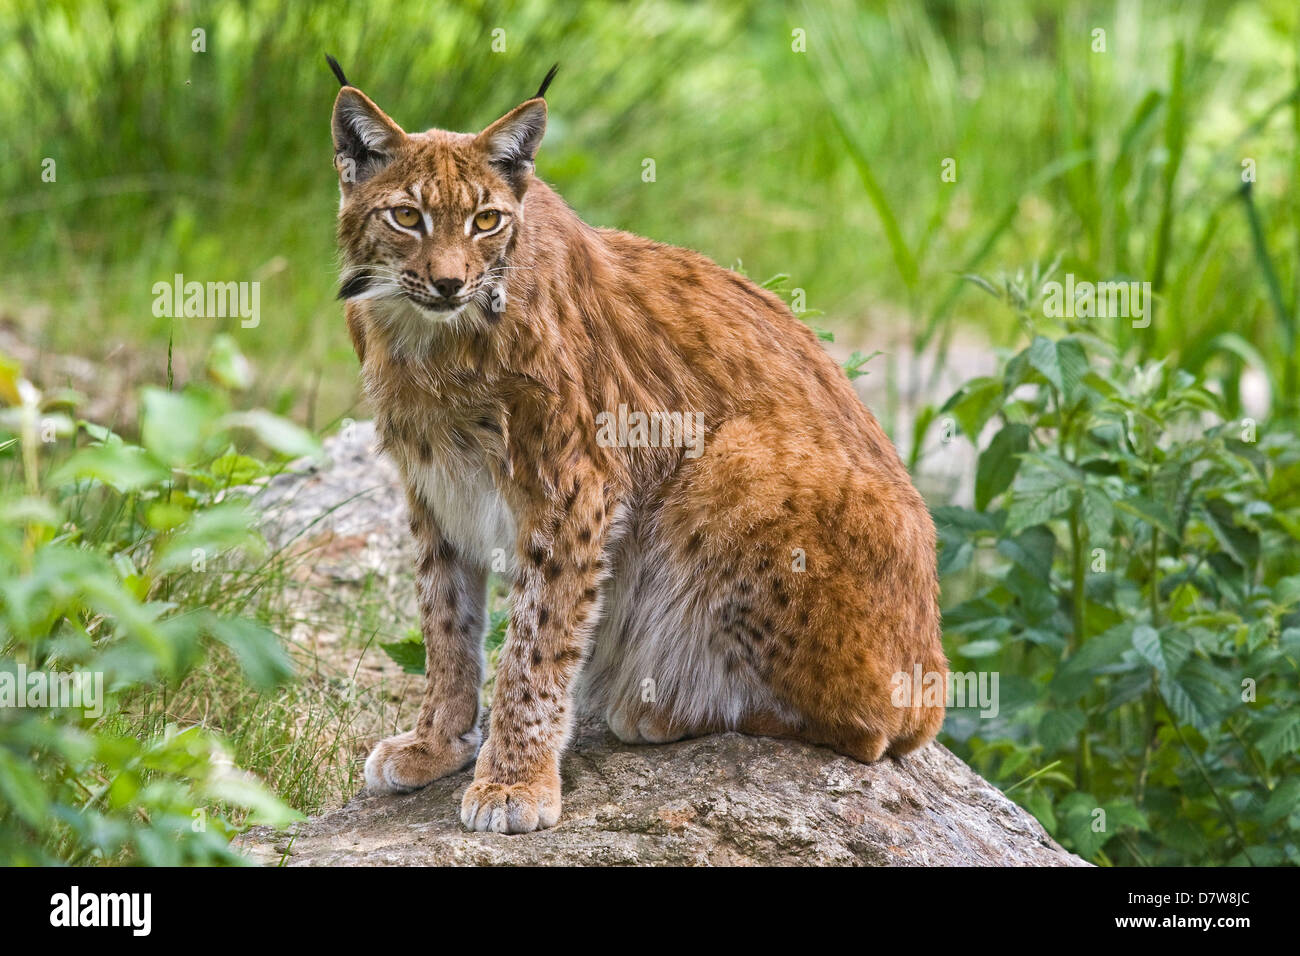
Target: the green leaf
pixel 1165 650
pixel 165 516
pixel 276 433
pixel 408 654
pixel 1073 363
pixel 211 533
pixel 1042 355
pixel 1100 383
pixel 243 790
pixel 227 364
pixel 1059 727
pixel 1146 639
pixel 963 519
pixel 1124 813
pixel 1012 762
pixel 921 425
pixel 853 366
pixel 1080 820
pixel 1032 550
pixel 1150 512
pixel 1040 494
pixel 497 626
pixel 1188 703
pixel 974 404
pixel 231 470
pixel 982 648
pixel 1289 640
pixel 955 553
pixel 999 463
pixel 122 467
pixel 1282 802
pixel 1287 591
pixel 260 652
pixel 1039 803
pixel 983 283
pixel 1240 543
pixel 176 425
pixel 1100 651
pixel 1098 513
pixel 22 790
pixel 1192 692
pixel 34 511
pixel 1281 735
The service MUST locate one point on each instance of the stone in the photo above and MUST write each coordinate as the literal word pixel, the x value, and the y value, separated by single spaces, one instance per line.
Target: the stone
pixel 723 800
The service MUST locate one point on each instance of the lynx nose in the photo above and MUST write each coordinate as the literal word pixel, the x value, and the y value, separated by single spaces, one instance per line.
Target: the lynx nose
pixel 448 287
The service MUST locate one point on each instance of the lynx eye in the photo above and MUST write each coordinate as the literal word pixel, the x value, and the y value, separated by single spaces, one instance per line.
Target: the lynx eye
pixel 407 216
pixel 487 220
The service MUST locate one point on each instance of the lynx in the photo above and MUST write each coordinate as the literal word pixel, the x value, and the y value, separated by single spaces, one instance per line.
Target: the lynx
pixel 774 575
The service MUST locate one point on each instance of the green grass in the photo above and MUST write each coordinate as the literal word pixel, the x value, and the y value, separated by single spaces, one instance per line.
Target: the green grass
pixel 824 165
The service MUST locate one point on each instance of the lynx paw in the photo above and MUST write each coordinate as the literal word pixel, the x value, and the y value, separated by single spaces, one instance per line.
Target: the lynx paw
pixel 510 807
pixel 638 725
pixel 406 762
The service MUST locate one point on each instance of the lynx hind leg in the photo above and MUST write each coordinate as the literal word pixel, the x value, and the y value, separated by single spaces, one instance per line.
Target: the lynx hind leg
pixel 445 738
pixel 651 724
pixel 925 720
pixel 661 668
pixel 638 722
pixel 873 620
pixel 822 578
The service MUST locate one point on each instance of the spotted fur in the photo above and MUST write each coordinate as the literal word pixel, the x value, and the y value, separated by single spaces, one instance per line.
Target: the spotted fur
pixel 775 584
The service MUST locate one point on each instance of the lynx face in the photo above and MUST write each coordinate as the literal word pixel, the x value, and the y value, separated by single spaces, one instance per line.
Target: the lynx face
pixel 429 219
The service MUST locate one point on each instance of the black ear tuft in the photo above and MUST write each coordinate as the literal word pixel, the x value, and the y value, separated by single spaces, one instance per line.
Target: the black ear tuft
pixel 338 70
pixel 547 82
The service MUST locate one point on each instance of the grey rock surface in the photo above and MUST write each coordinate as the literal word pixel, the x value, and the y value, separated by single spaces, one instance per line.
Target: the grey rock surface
pixel 726 800
pixel 721 800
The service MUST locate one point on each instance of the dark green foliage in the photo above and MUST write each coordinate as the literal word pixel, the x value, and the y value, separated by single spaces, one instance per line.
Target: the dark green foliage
pixel 1132 571
pixel 129 562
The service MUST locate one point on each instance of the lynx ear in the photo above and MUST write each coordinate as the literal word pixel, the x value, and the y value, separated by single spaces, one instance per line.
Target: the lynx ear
pixel 511 142
pixel 365 139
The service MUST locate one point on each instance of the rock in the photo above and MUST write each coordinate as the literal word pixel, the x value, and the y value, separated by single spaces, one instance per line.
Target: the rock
pixel 726 799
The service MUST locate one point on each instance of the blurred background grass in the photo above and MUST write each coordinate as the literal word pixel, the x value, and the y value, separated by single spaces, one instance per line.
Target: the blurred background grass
pixel 824 165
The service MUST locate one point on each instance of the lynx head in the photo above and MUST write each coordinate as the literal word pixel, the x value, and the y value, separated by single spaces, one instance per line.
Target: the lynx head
pixel 428 220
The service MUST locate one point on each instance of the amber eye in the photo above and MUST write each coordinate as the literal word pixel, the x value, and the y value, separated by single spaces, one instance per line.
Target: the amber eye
pixel 407 216
pixel 487 220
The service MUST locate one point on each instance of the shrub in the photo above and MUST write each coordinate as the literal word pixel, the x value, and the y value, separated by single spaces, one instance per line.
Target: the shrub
pixel 1130 569
pixel 122 563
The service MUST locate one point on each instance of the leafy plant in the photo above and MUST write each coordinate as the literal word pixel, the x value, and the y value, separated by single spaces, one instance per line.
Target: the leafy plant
pixel 1130 568
pixel 408 653
pixel 120 565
